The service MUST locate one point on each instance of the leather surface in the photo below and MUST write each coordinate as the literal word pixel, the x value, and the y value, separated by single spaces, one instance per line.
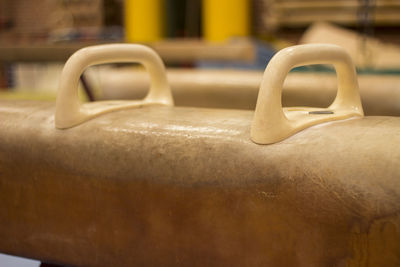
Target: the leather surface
pixel 186 186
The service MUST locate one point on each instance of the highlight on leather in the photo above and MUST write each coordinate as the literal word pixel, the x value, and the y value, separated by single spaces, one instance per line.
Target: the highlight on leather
pixel 70 112
pixel 272 123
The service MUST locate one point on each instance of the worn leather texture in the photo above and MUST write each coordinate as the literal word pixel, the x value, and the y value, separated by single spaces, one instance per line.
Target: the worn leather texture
pixel 168 186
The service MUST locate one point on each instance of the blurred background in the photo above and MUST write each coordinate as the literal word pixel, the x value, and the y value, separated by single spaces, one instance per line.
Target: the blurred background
pixel 215 50
pixel 209 47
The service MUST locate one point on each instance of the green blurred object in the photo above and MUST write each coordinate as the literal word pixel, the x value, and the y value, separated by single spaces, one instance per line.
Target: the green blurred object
pixel 362 71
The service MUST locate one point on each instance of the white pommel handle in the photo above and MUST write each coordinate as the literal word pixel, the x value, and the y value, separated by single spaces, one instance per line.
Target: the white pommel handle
pixel 272 124
pixel 69 110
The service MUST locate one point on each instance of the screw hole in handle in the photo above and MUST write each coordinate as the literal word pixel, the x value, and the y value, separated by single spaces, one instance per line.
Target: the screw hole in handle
pixel 70 112
pixel 272 123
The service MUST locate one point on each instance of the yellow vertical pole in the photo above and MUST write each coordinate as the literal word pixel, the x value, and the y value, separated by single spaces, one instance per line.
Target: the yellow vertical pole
pixel 223 19
pixel 143 20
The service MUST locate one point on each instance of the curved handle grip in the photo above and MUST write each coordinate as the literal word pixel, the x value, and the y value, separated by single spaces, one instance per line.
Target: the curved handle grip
pixel 69 111
pixel 272 124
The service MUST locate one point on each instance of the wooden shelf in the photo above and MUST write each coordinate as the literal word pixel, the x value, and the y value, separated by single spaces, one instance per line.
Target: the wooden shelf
pixel 174 51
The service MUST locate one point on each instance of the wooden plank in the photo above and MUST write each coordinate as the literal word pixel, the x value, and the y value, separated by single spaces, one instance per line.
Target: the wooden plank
pixel 377 54
pixel 170 51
